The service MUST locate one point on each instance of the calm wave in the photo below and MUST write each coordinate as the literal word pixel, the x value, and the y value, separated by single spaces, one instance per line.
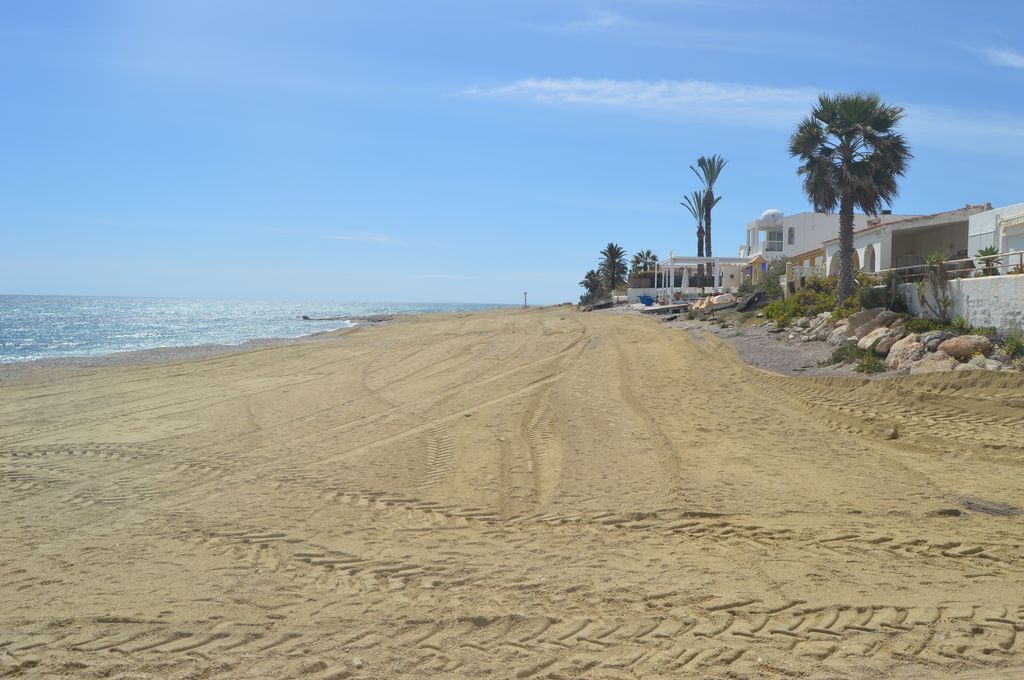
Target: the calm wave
pixel 42 326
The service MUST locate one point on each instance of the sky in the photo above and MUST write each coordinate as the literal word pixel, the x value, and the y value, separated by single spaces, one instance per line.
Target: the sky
pixel 453 150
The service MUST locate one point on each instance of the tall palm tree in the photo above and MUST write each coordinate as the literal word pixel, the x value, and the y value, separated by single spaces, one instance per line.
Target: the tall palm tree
pixel 850 156
pixel 613 266
pixel 695 204
pixel 592 283
pixel 708 169
pixel 643 261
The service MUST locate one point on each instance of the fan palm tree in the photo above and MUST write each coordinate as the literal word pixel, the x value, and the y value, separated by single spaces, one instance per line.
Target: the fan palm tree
pixel 643 261
pixel 708 169
pixel 850 157
pixel 613 266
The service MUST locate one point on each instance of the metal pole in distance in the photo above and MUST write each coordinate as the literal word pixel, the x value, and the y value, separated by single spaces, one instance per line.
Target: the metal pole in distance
pixel 524 299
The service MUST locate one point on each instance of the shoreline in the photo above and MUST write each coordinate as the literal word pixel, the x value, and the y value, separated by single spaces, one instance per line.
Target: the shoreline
pixel 169 354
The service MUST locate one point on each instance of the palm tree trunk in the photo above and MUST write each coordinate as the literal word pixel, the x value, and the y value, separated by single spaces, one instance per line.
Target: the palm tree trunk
pixel 845 248
pixel 709 200
pixel 700 253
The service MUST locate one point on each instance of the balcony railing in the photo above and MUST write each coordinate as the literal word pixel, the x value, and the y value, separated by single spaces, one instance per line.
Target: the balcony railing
pixel 770 246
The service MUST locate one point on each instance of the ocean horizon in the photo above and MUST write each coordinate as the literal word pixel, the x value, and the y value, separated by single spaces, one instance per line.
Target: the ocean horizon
pixel 34 327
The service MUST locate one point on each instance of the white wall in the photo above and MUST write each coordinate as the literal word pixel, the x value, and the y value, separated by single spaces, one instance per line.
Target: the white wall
pixel 983 228
pixel 989 301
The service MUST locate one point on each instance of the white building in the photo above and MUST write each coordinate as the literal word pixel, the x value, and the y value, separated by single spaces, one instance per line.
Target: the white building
pixel 776 235
pixel 1001 227
pixel 906 241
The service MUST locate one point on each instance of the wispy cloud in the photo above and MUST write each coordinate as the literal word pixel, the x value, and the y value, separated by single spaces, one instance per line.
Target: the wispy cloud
pixel 1009 58
pixel 598 20
pixel 366 237
pixel 777 108
pixel 753 103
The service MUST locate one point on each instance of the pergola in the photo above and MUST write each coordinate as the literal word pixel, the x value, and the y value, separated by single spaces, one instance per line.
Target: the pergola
pixel 712 266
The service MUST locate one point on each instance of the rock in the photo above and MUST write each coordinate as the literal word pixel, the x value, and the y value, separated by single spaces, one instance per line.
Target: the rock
pixel 822 333
pixel 905 355
pixel 892 433
pixel 357 662
pixel 892 336
pixel 863 316
pixel 883 319
pixel 839 334
pixel 802 322
pixel 877 334
pixel 760 315
pixel 932 339
pixel 988 364
pixel 968 367
pixel 791 336
pixel 938 362
pixel 964 346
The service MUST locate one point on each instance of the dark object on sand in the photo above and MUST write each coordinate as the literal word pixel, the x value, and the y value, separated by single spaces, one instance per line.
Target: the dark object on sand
pixel 671 317
pixel 368 318
pixel 989 507
pixel 749 301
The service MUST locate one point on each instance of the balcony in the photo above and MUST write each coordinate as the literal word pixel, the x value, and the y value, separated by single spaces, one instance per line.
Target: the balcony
pixel 769 246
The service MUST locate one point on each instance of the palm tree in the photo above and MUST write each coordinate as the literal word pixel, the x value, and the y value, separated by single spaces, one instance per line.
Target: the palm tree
pixel 613 266
pixel 592 283
pixel 695 204
pixel 709 169
pixel 850 156
pixel 643 261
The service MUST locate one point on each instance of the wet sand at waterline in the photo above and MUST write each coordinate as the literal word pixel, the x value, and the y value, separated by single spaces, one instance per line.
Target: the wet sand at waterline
pixel 509 494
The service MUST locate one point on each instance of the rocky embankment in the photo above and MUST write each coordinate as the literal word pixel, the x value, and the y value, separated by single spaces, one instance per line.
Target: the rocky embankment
pixel 885 333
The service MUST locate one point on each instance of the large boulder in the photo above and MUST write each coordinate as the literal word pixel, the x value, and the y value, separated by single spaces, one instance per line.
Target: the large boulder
pixel 932 339
pixel 904 352
pixel 840 334
pixel 883 319
pixel 892 336
pixel 934 363
pixel 877 334
pixel 882 338
pixel 963 347
pixel 863 316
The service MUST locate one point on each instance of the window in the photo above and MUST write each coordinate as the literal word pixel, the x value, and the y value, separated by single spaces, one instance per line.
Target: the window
pixel 791 237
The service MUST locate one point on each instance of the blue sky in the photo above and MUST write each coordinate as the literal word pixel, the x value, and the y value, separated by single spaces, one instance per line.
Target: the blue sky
pixel 453 150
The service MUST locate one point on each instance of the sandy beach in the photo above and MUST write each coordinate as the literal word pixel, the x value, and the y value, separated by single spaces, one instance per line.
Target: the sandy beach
pixel 535 493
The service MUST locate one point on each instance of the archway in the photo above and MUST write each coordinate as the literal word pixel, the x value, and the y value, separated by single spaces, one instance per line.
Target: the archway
pixel 869 258
pixel 833 265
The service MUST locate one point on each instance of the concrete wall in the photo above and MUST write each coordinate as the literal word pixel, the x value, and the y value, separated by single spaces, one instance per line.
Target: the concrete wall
pixel 989 301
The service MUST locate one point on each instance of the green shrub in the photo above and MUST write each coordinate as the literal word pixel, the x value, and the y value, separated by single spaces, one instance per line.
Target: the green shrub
pixel 850 305
pixel 746 288
pixel 961 325
pixel 691 316
pixel 924 325
pixel 871 297
pixel 870 363
pixel 1014 345
pixel 844 354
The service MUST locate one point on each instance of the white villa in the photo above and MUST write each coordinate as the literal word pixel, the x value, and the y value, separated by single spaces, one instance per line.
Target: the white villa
pixel 906 241
pixel 777 235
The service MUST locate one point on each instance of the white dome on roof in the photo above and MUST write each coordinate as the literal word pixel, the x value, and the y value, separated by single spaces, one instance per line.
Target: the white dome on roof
pixel 771 215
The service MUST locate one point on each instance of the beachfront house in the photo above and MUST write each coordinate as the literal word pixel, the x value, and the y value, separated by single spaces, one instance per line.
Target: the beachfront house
pixel 900 241
pixel 1002 228
pixel 776 235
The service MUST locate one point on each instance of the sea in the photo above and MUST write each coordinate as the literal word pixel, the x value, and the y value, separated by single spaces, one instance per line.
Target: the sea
pixel 56 326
